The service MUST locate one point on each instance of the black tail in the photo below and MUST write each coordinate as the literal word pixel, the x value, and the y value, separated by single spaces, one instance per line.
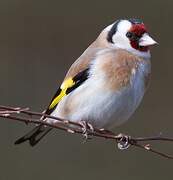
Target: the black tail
pixel 34 136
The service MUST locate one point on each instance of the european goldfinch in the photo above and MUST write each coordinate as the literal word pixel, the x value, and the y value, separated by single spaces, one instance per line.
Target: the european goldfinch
pixel 105 85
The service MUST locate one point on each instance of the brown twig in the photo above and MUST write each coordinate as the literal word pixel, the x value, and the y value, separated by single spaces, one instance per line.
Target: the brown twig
pixel 123 141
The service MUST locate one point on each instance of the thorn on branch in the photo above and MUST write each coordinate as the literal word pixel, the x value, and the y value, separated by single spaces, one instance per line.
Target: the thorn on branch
pixel 147 147
pixel 123 141
pixel 70 131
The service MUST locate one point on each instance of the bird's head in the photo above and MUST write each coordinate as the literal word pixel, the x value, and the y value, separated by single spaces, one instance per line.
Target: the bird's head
pixel 130 34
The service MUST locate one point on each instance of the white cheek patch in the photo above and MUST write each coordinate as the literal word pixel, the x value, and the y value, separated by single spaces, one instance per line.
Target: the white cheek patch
pixel 121 41
pixel 119 38
pixel 124 26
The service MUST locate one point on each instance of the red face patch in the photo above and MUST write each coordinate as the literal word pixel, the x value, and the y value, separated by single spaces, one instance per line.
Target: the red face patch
pixel 137 30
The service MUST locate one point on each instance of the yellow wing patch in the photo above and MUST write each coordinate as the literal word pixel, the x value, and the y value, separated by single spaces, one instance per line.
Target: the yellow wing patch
pixel 65 85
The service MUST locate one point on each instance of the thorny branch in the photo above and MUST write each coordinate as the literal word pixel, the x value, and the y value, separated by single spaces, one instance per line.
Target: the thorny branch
pixel 123 141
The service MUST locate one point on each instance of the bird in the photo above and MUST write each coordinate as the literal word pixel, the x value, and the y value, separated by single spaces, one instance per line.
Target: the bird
pixel 106 84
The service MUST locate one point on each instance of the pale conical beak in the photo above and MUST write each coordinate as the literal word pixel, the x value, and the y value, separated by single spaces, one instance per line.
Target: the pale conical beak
pixel 146 40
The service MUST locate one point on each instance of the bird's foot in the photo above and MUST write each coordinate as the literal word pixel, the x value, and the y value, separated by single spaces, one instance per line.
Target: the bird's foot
pixel 123 142
pixel 87 129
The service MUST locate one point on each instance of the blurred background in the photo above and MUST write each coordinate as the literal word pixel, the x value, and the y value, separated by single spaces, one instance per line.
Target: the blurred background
pixel 39 40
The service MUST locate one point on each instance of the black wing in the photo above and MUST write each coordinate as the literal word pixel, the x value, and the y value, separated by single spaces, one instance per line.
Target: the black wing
pixel 40 131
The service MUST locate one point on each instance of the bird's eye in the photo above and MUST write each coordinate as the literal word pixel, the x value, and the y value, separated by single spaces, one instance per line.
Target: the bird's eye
pixel 129 35
pixel 132 36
